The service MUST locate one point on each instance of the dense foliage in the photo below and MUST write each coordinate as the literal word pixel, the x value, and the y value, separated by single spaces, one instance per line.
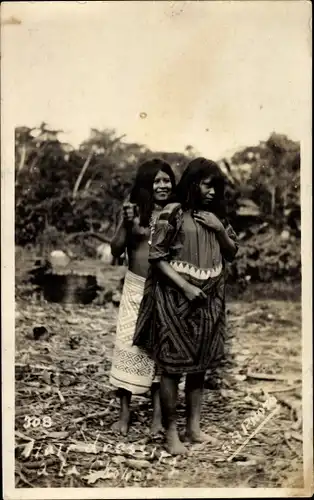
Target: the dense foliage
pixel 63 191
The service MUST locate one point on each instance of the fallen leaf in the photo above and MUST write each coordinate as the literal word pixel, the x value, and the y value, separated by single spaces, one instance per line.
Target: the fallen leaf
pixel 137 476
pixel 42 472
pixel 73 321
pixel 23 436
pixel 240 358
pixel 296 435
pixel 127 477
pixel 40 313
pixel 172 473
pixel 164 454
pixel 58 434
pixel 225 393
pixel 47 377
pixel 137 464
pixel 297 425
pixel 249 399
pixel 198 447
pixel 118 460
pixel 33 384
pixel 72 471
pixel 246 463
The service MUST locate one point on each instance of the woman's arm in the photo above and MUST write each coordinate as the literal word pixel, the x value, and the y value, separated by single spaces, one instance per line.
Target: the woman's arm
pixel 227 242
pixel 190 291
pixel 118 242
pixel 228 246
pixel 162 238
pixel 164 267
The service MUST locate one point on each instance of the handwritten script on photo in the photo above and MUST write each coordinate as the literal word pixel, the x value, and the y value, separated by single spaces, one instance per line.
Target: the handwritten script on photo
pixel 256 420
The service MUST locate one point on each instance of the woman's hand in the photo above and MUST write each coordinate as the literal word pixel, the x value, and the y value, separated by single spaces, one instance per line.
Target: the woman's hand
pixel 193 293
pixel 209 220
pixel 128 212
pixel 131 220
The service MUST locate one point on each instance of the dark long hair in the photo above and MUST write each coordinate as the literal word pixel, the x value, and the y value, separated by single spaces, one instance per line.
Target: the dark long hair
pixel 142 191
pixel 188 191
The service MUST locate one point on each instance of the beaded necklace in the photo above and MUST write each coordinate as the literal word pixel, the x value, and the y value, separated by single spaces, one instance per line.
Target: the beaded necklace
pixel 152 222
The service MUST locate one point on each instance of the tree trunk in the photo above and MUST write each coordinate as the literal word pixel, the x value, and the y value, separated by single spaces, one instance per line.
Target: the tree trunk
pixel 96 171
pixel 81 174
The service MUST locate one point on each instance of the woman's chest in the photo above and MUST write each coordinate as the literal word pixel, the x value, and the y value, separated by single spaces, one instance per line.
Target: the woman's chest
pixel 198 244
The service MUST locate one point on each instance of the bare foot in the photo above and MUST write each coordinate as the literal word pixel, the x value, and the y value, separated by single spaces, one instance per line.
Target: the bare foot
pixel 156 427
pixel 199 437
pixel 173 444
pixel 122 425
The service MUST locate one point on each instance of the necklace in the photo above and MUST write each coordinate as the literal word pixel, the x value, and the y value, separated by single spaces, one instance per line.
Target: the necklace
pixel 152 222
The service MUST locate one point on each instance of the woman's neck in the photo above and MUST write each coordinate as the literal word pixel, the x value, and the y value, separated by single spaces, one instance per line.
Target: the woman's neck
pixel 157 207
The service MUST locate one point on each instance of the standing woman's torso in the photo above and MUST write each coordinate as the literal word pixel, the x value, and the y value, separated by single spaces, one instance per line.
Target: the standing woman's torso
pixel 197 252
pixel 138 248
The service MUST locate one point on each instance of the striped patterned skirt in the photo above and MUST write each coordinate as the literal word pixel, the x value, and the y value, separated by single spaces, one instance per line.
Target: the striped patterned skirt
pixel 182 337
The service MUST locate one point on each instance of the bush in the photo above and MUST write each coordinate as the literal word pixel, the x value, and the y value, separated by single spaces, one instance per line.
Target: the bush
pixel 67 191
pixel 269 256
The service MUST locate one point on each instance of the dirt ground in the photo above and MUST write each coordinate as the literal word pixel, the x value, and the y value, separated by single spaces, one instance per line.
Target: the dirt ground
pixel 65 406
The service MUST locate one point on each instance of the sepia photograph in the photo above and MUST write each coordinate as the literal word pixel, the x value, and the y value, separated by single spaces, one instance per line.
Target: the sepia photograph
pixel 156 249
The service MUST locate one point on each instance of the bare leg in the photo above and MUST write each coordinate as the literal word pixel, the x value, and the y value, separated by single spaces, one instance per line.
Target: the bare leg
pixel 122 425
pixel 156 421
pixel 193 393
pixel 168 396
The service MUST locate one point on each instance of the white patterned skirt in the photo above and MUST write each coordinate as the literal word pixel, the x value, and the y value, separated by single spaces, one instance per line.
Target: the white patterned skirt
pixel 132 369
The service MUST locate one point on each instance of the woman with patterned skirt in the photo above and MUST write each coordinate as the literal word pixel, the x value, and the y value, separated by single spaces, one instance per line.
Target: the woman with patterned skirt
pixel 133 370
pixel 181 321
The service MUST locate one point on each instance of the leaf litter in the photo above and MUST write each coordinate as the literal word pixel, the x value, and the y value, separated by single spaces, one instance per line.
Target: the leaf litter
pixel 71 386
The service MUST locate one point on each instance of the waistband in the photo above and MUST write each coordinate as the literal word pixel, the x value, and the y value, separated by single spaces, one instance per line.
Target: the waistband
pixel 129 276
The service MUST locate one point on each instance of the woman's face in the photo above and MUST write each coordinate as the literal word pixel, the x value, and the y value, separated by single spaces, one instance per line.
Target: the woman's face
pixel 207 191
pixel 162 187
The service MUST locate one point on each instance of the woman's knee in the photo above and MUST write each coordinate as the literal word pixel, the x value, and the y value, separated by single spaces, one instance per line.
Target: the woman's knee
pixel 175 377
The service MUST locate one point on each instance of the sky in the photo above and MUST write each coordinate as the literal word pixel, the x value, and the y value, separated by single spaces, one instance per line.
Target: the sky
pixel 214 75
